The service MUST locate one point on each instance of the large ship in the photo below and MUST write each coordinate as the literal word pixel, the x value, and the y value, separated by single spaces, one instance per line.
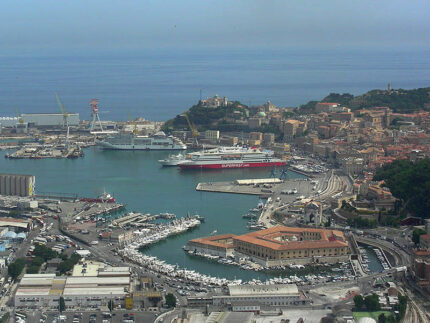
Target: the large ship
pixel 230 157
pixel 131 141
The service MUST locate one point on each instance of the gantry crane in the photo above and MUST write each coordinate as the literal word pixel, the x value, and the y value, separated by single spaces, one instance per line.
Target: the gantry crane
pixel 20 119
pixel 194 133
pixel 133 122
pixel 63 111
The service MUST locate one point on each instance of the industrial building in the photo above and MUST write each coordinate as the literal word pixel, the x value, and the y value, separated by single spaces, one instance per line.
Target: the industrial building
pixel 8 122
pixel 280 295
pixel 16 225
pixel 13 184
pixel 91 284
pixel 278 245
pixel 50 119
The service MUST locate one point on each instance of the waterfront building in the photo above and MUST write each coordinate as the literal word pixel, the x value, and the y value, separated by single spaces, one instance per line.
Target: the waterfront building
pixel 221 245
pixel 50 119
pixel 13 184
pixel 280 295
pixel 278 245
pixel 285 245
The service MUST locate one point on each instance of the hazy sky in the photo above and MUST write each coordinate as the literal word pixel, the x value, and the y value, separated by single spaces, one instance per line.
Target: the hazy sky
pixel 107 24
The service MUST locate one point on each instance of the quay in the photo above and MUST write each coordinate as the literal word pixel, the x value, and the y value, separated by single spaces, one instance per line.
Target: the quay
pixel 138 219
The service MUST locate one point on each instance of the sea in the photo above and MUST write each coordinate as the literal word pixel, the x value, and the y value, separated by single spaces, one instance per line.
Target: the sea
pixel 158 84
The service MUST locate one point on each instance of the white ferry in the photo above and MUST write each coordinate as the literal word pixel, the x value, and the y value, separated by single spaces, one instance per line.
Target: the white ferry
pixel 230 157
pixel 130 141
pixel 172 160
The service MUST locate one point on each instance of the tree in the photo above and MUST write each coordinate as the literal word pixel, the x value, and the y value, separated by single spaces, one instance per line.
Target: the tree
pixel 416 235
pixel 171 300
pixel 372 303
pixel 15 268
pixel 110 305
pixel 382 318
pixel 358 301
pixel 62 304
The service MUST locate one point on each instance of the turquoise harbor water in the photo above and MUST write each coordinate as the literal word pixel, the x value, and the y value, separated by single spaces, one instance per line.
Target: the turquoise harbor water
pixel 137 179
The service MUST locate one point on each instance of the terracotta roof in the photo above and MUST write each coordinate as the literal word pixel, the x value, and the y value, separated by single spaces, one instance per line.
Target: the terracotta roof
pixel 213 241
pixel 422 253
pixel 266 238
pixel 425 237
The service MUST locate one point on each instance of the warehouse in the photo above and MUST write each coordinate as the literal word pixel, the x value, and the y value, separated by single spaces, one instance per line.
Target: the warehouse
pixel 50 119
pixel 21 185
pixel 17 225
pixel 8 122
pixel 92 284
pixel 280 295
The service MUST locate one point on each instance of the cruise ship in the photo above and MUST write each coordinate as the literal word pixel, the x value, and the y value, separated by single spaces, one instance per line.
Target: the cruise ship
pixel 131 141
pixel 230 157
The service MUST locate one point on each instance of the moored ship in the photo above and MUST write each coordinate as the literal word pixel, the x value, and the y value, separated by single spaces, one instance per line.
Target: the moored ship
pixel 131 141
pixel 172 160
pixel 104 198
pixel 231 157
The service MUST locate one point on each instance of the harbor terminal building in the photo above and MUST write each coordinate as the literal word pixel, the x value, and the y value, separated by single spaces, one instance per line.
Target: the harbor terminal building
pixel 278 245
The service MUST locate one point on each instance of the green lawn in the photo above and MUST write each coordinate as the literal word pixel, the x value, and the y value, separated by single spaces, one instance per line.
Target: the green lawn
pixel 374 315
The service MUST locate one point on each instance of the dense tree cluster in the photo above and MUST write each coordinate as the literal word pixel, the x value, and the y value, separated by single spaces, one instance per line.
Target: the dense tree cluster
pixel 15 268
pixel 409 182
pixel 205 118
pixel 399 100
pixel 361 222
pixel 68 264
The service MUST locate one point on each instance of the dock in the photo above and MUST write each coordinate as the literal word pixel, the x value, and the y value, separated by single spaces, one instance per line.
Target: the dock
pixel 230 187
pixel 139 219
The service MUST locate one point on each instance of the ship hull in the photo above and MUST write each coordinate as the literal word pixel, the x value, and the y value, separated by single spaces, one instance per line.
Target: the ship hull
pixel 232 165
pixel 108 146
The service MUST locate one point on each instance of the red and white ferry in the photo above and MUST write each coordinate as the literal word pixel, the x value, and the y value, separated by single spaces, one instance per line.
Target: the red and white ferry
pixel 230 157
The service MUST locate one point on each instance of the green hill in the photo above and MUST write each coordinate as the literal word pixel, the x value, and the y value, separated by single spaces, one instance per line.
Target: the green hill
pixel 205 118
pixel 399 100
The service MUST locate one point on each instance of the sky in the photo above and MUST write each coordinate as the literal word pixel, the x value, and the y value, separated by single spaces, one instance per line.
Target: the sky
pixel 27 25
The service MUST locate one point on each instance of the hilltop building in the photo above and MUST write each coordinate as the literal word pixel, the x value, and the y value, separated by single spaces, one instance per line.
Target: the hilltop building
pixel 214 102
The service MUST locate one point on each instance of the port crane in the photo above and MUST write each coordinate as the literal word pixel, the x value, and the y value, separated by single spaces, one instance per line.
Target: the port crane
pixel 95 114
pixel 63 111
pixel 133 122
pixel 194 133
pixel 20 119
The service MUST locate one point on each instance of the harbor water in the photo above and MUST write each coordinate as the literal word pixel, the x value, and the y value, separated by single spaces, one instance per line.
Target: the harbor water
pixel 136 179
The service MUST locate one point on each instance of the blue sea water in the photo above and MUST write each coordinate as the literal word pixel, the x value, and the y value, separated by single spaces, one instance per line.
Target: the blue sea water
pixel 158 84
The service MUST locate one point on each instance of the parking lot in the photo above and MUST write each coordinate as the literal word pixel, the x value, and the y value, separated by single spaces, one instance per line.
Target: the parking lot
pixel 89 317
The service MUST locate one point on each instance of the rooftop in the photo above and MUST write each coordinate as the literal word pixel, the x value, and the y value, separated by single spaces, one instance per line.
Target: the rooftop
pixel 263 290
pixel 269 238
